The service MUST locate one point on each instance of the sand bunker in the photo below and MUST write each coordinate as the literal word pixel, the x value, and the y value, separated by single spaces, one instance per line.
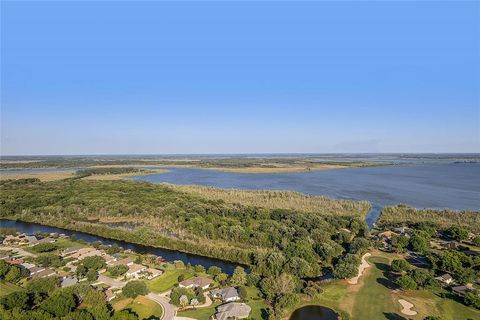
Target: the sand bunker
pixel 361 268
pixel 407 307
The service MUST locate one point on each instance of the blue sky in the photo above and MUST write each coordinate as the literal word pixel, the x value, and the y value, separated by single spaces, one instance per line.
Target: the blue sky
pixel 239 77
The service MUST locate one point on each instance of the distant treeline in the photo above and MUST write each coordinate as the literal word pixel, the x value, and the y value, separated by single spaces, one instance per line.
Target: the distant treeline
pixel 196 161
pixel 267 238
pixel 107 170
pixel 443 219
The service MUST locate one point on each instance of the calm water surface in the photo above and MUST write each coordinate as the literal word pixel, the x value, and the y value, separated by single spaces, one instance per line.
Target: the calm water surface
pixel 169 255
pixel 454 186
pixel 314 313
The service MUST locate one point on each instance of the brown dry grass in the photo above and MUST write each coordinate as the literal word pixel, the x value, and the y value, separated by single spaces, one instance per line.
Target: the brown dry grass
pixel 43 176
pixel 280 200
pixel 105 177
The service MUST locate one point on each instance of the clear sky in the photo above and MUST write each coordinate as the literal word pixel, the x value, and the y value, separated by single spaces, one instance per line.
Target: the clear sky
pixel 239 77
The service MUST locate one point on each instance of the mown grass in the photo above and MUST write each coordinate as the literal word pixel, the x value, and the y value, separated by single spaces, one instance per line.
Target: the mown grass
pixel 142 306
pixel 374 299
pixel 168 279
pixel 6 288
pixel 201 313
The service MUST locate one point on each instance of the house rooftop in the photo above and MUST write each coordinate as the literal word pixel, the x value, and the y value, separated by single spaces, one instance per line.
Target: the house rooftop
pixel 196 282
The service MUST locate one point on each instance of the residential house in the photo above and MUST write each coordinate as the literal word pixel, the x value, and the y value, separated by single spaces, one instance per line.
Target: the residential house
pixel 402 230
pixel 27 265
pixel 71 250
pixel 227 294
pixel 46 240
pixel 110 295
pixel 34 270
pixel 233 310
pixel 445 278
pixel 134 270
pixel 68 281
pixel 463 290
pixel 450 245
pixel 152 273
pixel 30 241
pixel 197 282
pixel 125 262
pixel 47 272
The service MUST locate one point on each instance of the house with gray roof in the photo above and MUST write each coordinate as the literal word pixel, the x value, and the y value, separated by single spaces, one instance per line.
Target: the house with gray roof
pixel 233 310
pixel 68 281
pixel 227 294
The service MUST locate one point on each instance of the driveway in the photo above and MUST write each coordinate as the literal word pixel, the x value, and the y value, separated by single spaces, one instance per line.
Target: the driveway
pixel 169 310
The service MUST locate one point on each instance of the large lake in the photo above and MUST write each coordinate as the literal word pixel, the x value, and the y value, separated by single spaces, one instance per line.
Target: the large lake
pixel 454 186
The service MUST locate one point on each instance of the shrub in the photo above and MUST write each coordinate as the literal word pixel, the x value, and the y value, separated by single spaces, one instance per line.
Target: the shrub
pixel 406 283
pixel 400 265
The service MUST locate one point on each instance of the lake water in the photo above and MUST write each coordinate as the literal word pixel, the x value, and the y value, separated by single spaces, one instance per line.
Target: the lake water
pixel 169 255
pixel 453 186
pixel 314 313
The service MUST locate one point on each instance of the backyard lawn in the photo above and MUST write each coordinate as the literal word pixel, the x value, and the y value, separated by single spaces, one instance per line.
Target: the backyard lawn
pixel 7 288
pixel 168 279
pixel 200 313
pixel 142 306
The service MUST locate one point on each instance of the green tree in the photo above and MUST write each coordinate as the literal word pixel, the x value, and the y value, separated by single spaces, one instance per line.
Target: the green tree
pixel 347 267
pixel 472 299
pixel 406 282
pixel 135 288
pixel 4 268
pixel 14 274
pixel 18 299
pixel 59 304
pixel 43 285
pixel 457 232
pixel 199 268
pixel 94 263
pixel 476 241
pixel 221 277
pixel 79 315
pixel 400 265
pixel 239 277
pixel 419 243
pixel 214 270
pixel 117 271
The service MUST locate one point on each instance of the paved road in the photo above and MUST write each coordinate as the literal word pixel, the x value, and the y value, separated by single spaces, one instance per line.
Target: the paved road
pixel 169 310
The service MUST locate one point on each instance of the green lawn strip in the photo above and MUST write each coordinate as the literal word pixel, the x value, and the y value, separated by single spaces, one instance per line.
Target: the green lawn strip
pixel 429 302
pixel 6 288
pixel 374 300
pixel 256 302
pixel 168 279
pixel 143 307
pixel 201 313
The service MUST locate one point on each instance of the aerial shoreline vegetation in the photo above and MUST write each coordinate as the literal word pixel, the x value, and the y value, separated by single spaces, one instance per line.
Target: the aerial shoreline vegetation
pixel 404 215
pixel 189 222
pixel 92 173
pixel 278 164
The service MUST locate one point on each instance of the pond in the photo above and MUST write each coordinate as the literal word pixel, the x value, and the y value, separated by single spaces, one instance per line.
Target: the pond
pixel 314 313
pixel 169 255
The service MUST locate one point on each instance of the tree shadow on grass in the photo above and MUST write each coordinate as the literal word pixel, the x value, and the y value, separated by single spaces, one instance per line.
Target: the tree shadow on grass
pixel 385 281
pixel 393 316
